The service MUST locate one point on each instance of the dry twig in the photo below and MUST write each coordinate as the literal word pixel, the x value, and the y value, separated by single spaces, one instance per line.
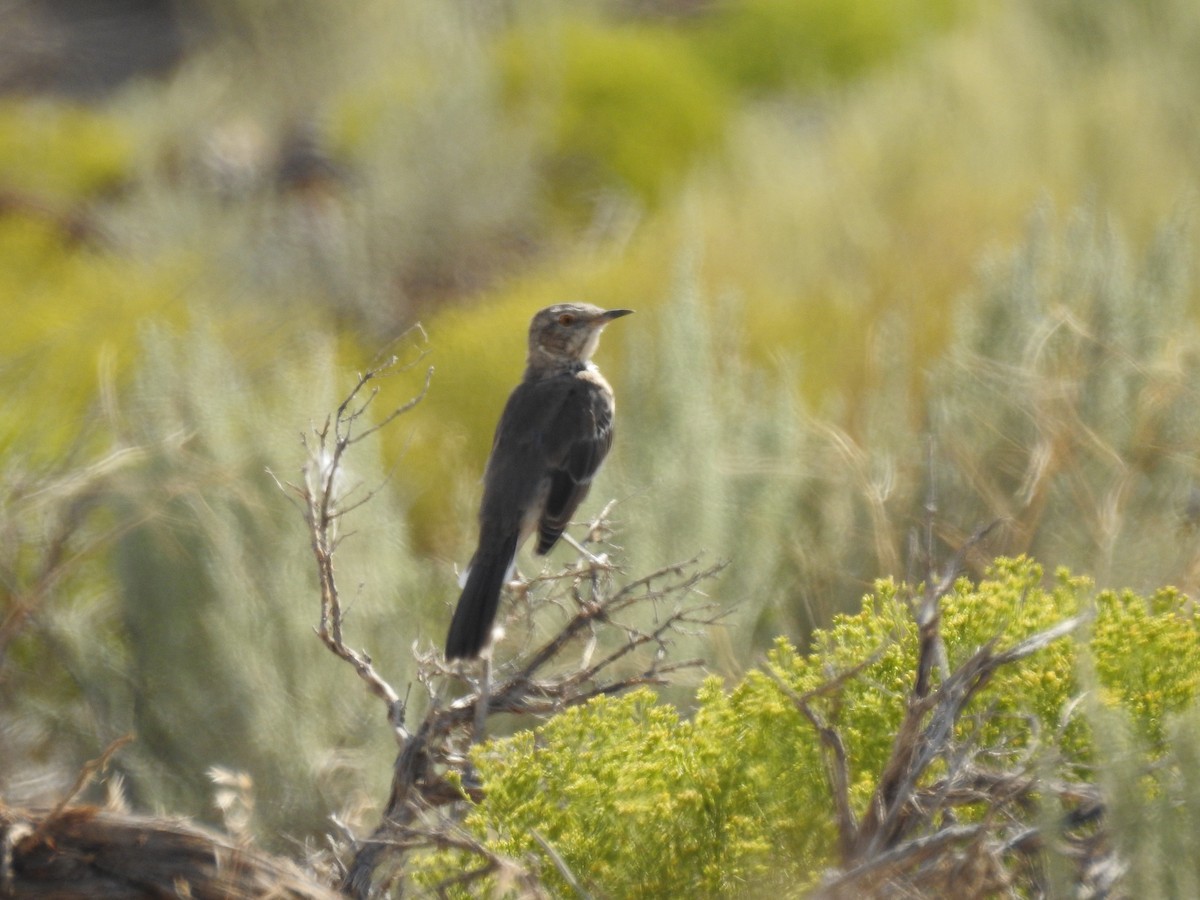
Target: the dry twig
pixel 324 501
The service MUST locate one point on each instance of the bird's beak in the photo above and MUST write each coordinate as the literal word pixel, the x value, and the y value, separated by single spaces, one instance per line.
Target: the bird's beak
pixel 609 314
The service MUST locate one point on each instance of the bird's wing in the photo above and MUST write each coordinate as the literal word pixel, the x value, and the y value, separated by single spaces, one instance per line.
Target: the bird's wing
pixel 523 453
pixel 576 443
pixel 551 439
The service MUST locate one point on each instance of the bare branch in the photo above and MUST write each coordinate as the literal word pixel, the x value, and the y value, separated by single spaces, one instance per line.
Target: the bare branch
pixel 86 773
pixel 432 779
pixel 837 766
pixel 560 864
pixel 323 505
pixel 879 866
pixel 888 840
pixel 539 682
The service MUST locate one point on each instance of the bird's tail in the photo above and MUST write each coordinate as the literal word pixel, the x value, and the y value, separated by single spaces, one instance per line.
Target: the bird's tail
pixel 476 611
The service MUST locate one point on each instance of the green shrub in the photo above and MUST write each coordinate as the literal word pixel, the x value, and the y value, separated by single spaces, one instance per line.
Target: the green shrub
pixel 638 802
pixel 1147 658
pixel 768 45
pixel 617 107
pixel 72 320
pixel 61 153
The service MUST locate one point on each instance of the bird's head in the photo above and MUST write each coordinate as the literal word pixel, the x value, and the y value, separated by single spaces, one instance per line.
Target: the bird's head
pixel 566 334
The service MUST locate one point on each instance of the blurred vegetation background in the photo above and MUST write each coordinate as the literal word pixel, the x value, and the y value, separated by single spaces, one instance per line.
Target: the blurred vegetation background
pixel 884 255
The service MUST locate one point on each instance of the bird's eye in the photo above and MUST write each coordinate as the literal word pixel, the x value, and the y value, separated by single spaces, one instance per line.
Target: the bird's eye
pixel 566 319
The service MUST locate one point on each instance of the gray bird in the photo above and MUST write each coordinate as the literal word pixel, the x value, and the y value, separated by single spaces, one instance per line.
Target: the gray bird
pixel 554 432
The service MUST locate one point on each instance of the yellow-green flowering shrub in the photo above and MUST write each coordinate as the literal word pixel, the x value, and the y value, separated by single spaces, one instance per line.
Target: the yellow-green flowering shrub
pixel 1147 657
pixel 638 801
pixel 615 107
pixel 61 152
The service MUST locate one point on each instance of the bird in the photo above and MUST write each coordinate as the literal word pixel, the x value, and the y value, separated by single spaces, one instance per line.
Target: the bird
pixel 553 434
